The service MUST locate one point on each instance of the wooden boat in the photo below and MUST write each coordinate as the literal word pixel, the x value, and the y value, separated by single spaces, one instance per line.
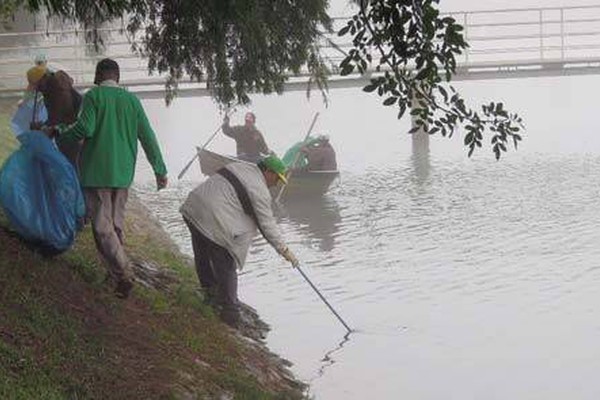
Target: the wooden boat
pixel 211 162
pixel 301 182
pixel 309 182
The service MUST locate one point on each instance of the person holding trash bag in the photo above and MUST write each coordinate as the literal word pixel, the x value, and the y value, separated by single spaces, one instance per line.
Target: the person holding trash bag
pixel 56 102
pixel 111 122
pixel 39 188
pixel 63 103
pixel 31 110
pixel 223 214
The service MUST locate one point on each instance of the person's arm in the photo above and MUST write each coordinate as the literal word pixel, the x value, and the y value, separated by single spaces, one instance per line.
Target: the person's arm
pixel 266 220
pixel 268 225
pixel 227 129
pixel 149 143
pixel 85 125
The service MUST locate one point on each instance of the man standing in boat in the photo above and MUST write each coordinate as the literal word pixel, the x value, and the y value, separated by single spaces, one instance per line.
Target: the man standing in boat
pixel 223 214
pixel 250 143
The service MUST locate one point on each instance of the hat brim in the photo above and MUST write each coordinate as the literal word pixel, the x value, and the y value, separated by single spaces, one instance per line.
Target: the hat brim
pixel 283 178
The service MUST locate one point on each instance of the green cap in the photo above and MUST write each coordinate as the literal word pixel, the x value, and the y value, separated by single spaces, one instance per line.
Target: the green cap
pixel 274 164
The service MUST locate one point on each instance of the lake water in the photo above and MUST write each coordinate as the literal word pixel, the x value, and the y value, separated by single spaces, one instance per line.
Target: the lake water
pixel 464 278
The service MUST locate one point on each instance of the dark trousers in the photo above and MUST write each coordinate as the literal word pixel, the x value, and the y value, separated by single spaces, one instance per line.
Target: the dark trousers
pixel 216 271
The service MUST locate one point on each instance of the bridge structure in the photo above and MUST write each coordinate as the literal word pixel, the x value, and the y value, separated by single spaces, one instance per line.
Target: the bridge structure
pixel 503 43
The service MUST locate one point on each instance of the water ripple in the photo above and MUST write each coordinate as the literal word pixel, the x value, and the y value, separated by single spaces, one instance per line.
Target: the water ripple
pixel 468 255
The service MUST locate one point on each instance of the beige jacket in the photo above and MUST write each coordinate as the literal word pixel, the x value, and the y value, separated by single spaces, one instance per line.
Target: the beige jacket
pixel 215 210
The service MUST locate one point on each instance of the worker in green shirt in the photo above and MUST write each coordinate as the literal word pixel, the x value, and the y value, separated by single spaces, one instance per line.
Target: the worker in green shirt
pixel 111 122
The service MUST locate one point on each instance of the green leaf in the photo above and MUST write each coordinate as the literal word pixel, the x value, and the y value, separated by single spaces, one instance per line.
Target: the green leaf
pixel 370 88
pixel 444 93
pixel 389 101
pixel 363 66
pixel 347 70
pixel 422 74
pixel 468 138
pixel 344 30
pixel 402 109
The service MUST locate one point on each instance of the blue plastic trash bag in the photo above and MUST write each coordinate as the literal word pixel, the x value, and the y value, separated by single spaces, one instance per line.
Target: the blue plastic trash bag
pixel 24 115
pixel 40 193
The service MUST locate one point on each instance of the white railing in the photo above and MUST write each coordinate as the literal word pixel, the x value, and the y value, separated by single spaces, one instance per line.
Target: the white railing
pixel 540 33
pixel 501 42
pixel 528 35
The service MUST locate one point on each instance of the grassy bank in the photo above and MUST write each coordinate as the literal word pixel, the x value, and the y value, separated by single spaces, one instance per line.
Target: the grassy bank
pixel 7 140
pixel 64 335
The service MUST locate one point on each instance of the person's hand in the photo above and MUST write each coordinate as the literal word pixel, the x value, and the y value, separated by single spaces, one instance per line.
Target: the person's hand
pixel 50 131
pixel 291 257
pixel 161 182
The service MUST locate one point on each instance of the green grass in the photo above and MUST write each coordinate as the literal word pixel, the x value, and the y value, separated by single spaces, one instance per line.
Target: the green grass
pixel 8 142
pixel 64 335
pixel 61 330
pixel 36 333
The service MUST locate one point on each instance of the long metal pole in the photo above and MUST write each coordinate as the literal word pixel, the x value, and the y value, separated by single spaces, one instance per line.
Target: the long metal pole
pixel 324 299
pixel 189 164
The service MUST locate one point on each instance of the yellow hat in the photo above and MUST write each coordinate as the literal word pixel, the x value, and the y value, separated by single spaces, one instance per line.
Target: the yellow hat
pixel 34 74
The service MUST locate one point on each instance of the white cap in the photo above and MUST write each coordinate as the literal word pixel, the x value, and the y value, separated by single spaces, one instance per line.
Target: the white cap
pixel 40 59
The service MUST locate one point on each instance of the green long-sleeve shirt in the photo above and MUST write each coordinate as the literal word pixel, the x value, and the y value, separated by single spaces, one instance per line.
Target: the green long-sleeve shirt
pixel 111 122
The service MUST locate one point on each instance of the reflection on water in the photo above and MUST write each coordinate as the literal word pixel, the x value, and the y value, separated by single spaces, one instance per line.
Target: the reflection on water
pixel 421 164
pixel 317 216
pixel 329 359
